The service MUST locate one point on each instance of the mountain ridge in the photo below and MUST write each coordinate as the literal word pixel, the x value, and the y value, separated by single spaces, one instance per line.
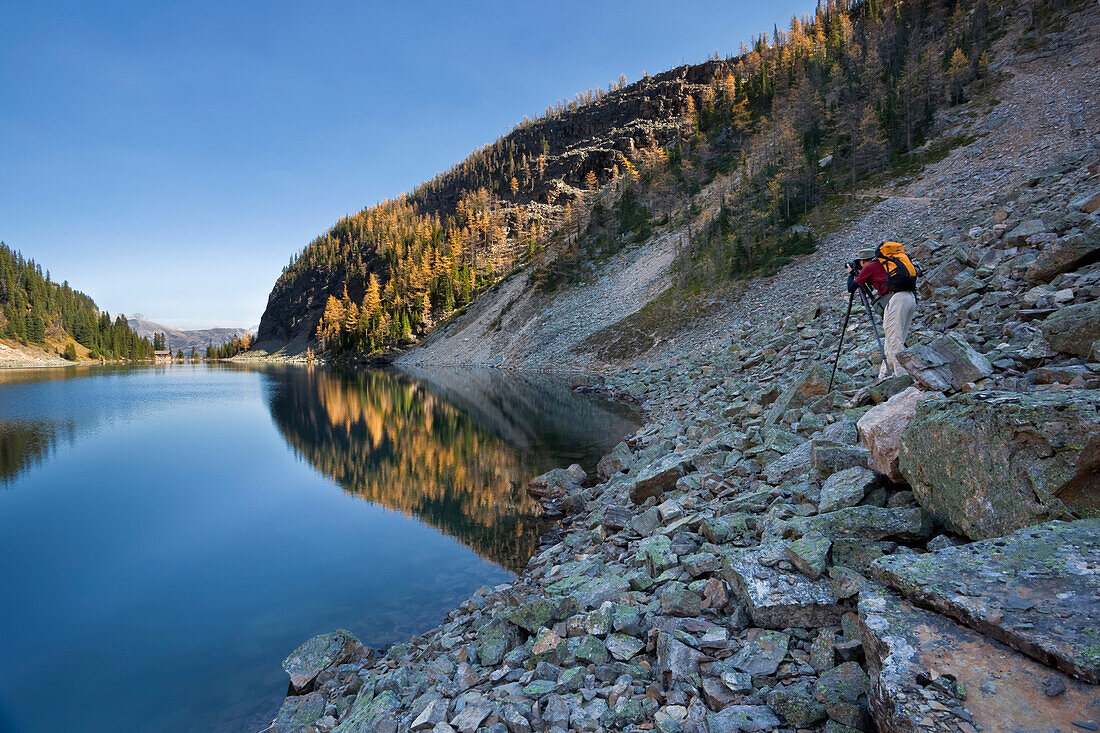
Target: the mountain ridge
pixel 179 338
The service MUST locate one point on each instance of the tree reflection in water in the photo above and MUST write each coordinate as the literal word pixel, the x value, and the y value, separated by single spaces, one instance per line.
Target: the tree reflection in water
pixel 453 448
pixel 26 443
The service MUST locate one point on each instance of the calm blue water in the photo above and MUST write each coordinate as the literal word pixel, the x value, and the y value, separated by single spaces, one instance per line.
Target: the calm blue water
pixel 168 535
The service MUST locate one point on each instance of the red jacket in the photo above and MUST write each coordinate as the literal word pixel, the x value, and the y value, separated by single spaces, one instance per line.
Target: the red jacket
pixel 875 274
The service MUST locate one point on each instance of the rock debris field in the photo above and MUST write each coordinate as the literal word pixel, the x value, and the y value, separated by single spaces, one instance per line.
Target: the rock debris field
pixel 920 553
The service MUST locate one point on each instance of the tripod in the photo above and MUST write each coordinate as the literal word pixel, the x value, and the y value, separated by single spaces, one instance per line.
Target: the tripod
pixel 866 298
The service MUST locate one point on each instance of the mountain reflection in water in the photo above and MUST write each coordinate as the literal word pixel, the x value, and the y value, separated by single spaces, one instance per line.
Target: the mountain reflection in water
pixel 454 448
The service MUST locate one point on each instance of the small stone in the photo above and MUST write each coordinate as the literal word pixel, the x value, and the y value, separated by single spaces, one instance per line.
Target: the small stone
pixel 1054 686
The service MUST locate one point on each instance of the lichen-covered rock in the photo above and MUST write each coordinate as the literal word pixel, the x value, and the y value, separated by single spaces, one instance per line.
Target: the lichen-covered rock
pixel 844 489
pixel 778 600
pixel 623 647
pixel 792 464
pixel 556 483
pixel 1073 329
pixel 297 712
pixel 829 457
pixel 743 718
pixel 881 427
pixel 810 555
pixel 538 612
pixel 796 705
pixel 986 464
pixel 1064 255
pixel 721 530
pixel 930 674
pixel 947 363
pixel 843 692
pixel 317 654
pixel 371 714
pixel 762 652
pixel 676 661
pixel 656 479
pixel 868 522
pixel 618 460
pixel 494 639
pixel 1037 590
pixel 811 384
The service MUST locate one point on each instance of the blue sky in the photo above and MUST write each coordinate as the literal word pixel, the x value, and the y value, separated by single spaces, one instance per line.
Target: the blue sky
pixel 168 157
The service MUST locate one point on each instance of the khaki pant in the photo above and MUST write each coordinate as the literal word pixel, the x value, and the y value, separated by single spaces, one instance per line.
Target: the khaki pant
pixel 896 322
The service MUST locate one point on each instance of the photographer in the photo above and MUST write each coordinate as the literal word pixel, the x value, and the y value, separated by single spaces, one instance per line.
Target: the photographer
pixel 901 304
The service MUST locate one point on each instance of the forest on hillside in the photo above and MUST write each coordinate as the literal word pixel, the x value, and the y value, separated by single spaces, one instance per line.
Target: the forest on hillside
pixel 801 114
pixel 34 310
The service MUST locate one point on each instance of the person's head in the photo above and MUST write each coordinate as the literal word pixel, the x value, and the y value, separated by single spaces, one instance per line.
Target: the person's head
pixel 865 255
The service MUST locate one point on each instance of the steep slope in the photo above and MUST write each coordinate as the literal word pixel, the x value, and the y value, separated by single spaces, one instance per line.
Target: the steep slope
pixel 603 323
pixel 486 211
pixel 725 158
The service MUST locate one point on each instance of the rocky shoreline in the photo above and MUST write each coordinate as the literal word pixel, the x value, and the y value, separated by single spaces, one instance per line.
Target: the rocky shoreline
pixel 911 555
pixel 915 554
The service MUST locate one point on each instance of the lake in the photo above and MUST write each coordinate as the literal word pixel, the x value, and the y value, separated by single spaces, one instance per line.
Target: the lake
pixel 169 534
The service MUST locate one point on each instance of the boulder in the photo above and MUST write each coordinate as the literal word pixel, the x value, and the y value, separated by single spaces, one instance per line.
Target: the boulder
pixel 778 600
pixel 618 460
pixel 827 457
pixel 867 522
pixel 538 612
pixel 318 654
pixel 654 480
pixel 557 483
pixel 676 661
pixel 988 463
pixel 1087 202
pixel 880 429
pixel 947 363
pixel 371 714
pixel 743 718
pixel 843 692
pixel 1030 590
pixel 928 673
pixel 810 555
pixel 795 703
pixel 1073 329
pixel 1064 255
pixel 494 639
pixel 844 489
pixel 792 464
pixel 811 384
pixel 298 712
pixel 1019 235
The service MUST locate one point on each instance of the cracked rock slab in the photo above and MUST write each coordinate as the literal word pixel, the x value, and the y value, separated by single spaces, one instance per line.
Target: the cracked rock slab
pixel 1037 590
pixel 929 673
pixel 778 600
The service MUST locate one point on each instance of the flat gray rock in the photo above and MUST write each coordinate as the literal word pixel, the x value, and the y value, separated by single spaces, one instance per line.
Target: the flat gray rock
pixel 1037 590
pixel 778 600
pixel 737 718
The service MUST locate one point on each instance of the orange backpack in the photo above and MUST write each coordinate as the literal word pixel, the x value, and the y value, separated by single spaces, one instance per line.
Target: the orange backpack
pixel 899 268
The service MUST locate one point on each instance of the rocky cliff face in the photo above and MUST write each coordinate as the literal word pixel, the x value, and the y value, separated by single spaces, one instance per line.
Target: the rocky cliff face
pixel 593 137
